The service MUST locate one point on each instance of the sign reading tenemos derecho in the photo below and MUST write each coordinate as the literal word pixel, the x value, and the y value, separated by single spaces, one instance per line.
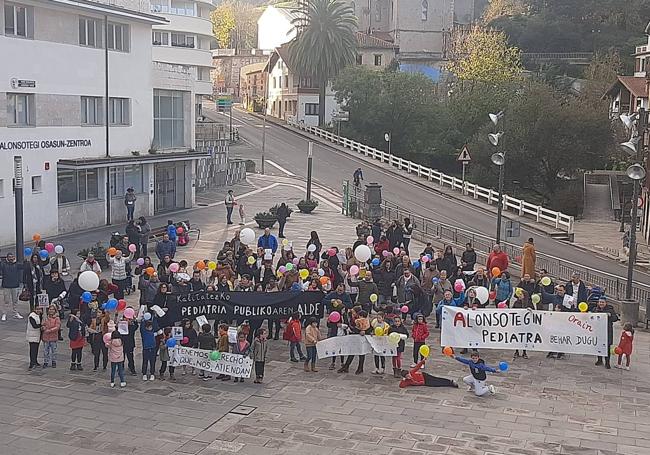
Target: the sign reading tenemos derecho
pixel 554 331
pixel 236 365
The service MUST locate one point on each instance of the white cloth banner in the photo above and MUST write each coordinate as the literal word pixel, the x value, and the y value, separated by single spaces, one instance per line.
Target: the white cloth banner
pixel 355 345
pixel 553 331
pixel 235 365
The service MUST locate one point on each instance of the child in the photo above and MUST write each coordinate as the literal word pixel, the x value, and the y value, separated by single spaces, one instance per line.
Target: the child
pixel 476 380
pixel 242 347
pixel 336 329
pixel 379 323
pixel 192 340
pixel 206 341
pixel 128 345
pixel 163 351
pixel 420 333
pixel 398 327
pixel 625 345
pixel 223 346
pixel 77 336
pixel 148 335
pixel 260 348
pixel 50 335
pixel 242 215
pixel 116 356
pixel 293 334
pixel 312 336
pixel 415 377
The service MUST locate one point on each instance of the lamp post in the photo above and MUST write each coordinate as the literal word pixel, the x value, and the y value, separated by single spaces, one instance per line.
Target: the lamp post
pixel 309 165
pixel 387 139
pixel 636 172
pixel 498 158
pixel 18 198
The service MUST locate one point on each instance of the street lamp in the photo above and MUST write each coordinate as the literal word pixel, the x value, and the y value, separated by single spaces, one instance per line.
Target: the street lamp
pixel 499 159
pixel 631 146
pixel 636 172
pixel 387 139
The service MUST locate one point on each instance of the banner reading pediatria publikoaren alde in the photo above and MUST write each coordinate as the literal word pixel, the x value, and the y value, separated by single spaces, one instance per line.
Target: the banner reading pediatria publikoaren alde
pixel 553 331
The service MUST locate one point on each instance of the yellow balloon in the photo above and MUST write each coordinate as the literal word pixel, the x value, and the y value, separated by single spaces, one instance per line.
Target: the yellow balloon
pixel 394 338
pixel 251 260
pixel 535 298
pixel 212 265
pixel 583 307
pixel 304 273
pixel 546 281
pixel 285 242
pixel 424 351
pixel 373 298
pixel 379 331
pixel 519 292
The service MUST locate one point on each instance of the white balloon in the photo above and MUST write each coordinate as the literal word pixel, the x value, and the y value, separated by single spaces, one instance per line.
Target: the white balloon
pixel 58 249
pixel 482 294
pixel 311 248
pixel 247 236
pixel 362 253
pixel 88 281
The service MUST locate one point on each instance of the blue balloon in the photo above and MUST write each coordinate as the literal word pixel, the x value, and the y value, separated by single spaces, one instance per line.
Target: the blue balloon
pixel 296 287
pixel 503 366
pixel 86 297
pixel 28 252
pixel 146 316
pixel 171 342
pixel 416 264
pixel 110 305
pixel 435 280
pixel 44 254
pixel 375 262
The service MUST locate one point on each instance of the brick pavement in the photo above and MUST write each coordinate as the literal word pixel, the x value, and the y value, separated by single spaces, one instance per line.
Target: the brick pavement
pixel 541 407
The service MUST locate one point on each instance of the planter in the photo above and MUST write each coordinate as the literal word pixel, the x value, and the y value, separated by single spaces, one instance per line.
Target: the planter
pixel 265 220
pixel 307 206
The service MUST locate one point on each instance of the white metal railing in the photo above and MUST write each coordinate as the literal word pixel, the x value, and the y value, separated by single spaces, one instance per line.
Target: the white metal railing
pixel 541 214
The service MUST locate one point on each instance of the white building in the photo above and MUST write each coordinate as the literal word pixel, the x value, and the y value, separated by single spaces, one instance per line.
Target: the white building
pixel 52 92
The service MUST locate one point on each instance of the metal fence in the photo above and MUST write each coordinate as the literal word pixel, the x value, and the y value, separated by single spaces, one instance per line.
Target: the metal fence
pixel 428 230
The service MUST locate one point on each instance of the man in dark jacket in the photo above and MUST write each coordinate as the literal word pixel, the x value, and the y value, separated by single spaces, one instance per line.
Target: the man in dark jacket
pixel 340 294
pixel 268 241
pixel 468 259
pixel 604 307
pixel 165 248
pixel 282 214
pixel 576 288
pixel 11 273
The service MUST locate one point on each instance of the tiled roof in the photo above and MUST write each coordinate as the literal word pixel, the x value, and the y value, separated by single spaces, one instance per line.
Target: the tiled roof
pixel 635 85
pixel 365 40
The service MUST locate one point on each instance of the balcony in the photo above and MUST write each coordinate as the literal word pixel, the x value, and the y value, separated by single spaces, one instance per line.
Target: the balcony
pixel 182 55
pixel 186 24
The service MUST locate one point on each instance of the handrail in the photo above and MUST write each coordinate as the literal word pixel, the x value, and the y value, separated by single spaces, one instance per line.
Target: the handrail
pixel 522 208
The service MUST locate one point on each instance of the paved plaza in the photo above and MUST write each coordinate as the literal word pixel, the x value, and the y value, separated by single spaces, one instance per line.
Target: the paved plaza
pixel 542 406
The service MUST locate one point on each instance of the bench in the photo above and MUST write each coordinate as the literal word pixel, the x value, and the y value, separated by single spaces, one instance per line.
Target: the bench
pixel 156 233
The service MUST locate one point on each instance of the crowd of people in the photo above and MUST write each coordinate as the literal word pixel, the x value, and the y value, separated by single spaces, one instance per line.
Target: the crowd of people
pixel 389 292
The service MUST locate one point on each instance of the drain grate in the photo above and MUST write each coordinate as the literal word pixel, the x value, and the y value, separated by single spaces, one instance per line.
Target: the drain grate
pixel 243 410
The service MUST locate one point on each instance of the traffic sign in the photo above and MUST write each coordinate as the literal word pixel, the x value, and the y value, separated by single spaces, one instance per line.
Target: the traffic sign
pixel 639 202
pixel 464 155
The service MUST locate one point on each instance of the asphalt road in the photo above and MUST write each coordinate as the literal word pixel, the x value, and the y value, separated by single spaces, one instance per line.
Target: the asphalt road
pixel 288 150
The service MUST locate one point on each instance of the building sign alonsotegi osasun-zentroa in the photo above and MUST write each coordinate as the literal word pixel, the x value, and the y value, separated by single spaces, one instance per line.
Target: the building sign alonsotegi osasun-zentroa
pixel 45 144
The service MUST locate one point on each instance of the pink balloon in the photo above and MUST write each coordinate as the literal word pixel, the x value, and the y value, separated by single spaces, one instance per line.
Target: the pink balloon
pixel 385 253
pixel 140 261
pixel 295 261
pixel 370 240
pixel 404 309
pixel 458 287
pixel 129 313
pixel 502 305
pixel 396 250
pixel 173 267
pixel 49 247
pixel 354 270
pixel 331 252
pixel 282 269
pixel 425 259
pixel 107 338
pixel 132 248
pixel 335 316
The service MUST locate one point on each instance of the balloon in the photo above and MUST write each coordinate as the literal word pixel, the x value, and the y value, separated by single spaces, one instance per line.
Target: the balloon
pixel 583 307
pixel 394 338
pixel 435 280
pixel 121 305
pixel 212 265
pixel 282 269
pixel 285 242
pixel 379 331
pixel 173 267
pixel 86 297
pixel 396 251
pixel 334 317
pixel 618 351
pixel 140 261
pixel 150 271
pixel 612 350
pixel 215 355
pixel 385 253
pixel 200 265
pixel 279 274
pixel 425 259
pixel 251 260
pixel 404 309
pixel 370 240
pixel 424 350
pixel 375 262
pixel 311 248
pixel 171 342
pixel 289 266
pixel 88 281
pixel 459 286
pixel 362 253
pixel 146 316
pixel 503 366
pixel 110 305
pixel 106 338
pixel 546 281
pixel 535 298
pixel 373 298
pixel 496 271
pixel 180 230
pixel 295 261
pixel 247 236
pixel 58 249
pixel 493 295
pixel 448 351
pixel 324 280
pixel 321 272
pixel 49 246
pixel 44 254
pixel 304 273
pixel 354 270
pixel 111 251
pixel 519 293
pixel 482 294
pixel 36 237
pixel 331 252
pixel 132 248
pixel 185 340
pixel 502 305
pixel 416 264
pixel 129 313
pixel 28 252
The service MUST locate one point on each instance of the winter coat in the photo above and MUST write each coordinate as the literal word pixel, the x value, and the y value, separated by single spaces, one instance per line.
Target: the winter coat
pixel 90 267
pixel 115 351
pixel 241 348
pixel 52 288
pixel 51 328
pixel 420 332
pixel 625 344
pixel 293 331
pixel 344 298
pixel 366 289
pixel 145 230
pixel 128 340
pixel 223 344
pixel 260 349
pixel 384 279
pixel 499 260
pixel 34 328
pixel 33 277
pixel 192 338
pixel 165 248
pixel 469 259
pixel 404 288
pixel 148 337
pixel 503 287
pixel 613 317
pixel 312 335
pixel 282 213
pixel 578 291
pixel 268 242
pixel 163 351
pixel 76 333
pixel 528 259
pixel 12 273
pixel 206 341
pixel 118 266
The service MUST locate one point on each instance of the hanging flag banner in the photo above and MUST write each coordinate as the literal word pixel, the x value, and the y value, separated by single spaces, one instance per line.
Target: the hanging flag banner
pixel 235 365
pixel 553 331
pixel 355 345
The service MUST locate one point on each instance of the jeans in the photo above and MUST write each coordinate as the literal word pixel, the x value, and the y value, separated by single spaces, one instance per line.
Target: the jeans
pixel 380 359
pixel 143 250
pixel 10 295
pixel 129 212
pixel 119 367
pixel 130 361
pixel 406 242
pixel 281 228
pixel 229 215
pixel 259 370
pixel 293 346
pixel 311 355
pixel 100 349
pixel 49 352
pixel 163 368
pixel 33 353
pixel 149 360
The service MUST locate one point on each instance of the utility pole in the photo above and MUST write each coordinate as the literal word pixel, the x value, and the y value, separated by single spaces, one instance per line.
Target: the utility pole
pixel 18 204
pixel 106 122
pixel 309 164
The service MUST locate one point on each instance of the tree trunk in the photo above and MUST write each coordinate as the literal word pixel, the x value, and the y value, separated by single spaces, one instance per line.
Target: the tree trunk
pixel 322 87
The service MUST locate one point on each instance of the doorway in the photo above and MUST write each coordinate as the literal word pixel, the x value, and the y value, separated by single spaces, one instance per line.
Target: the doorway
pixel 165 184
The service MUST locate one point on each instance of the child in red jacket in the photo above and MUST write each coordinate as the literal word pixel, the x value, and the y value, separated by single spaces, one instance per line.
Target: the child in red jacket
pixel 293 334
pixel 624 347
pixel 420 333
pixel 416 377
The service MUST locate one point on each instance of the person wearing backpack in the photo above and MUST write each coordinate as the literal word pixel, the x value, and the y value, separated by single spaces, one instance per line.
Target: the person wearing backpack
pixel 77 336
pixel 293 334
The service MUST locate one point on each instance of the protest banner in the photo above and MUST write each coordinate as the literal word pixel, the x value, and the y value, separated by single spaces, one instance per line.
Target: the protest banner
pixel 554 331
pixel 177 333
pixel 43 300
pixel 234 365
pixel 228 306
pixel 355 345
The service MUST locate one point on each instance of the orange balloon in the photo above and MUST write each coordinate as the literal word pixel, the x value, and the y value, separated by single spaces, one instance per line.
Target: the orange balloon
pixel 111 251
pixel 150 271
pixel 200 265
pixel 496 271
pixel 36 237
pixel 448 351
pixel 324 280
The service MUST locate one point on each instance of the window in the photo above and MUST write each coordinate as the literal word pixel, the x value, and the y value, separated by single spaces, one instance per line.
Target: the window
pixel 425 10
pixel 20 109
pixel 275 81
pixel 159 6
pixel 377 59
pixel 359 59
pixel 37 184
pixel 280 81
pixel 168 119
pixel 354 8
pixel 90 32
pixel 182 8
pixel 76 186
pixel 378 10
pixel 119 111
pixel 160 38
pixel 286 81
pixel 182 40
pixel 91 110
pixel 311 108
pixel 118 37
pixel 2 188
pixel 126 177
pixel 19 20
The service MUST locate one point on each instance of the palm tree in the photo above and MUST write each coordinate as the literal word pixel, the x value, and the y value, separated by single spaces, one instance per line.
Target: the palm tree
pixel 325 43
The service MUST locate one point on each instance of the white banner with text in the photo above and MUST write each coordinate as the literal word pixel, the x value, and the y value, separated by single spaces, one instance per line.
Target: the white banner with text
pixel 355 345
pixel 235 365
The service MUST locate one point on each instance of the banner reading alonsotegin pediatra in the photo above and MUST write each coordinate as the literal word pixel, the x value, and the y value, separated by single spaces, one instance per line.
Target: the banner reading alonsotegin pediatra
pixel 234 365
pixel 553 331
pixel 250 306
